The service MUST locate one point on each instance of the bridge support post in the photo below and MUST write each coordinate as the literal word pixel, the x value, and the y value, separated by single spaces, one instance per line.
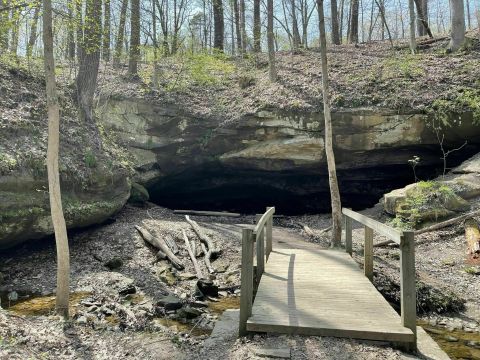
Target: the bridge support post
pixel 348 234
pixel 246 286
pixel 408 300
pixel 268 234
pixel 368 253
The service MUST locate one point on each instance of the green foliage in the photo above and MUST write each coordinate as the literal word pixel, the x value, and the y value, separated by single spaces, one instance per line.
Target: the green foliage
pixel 90 158
pixel 7 163
pixel 463 100
pixel 206 69
pixel 407 66
pixel 427 199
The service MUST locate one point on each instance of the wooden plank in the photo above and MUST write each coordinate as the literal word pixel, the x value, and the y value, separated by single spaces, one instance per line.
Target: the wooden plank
pixel 324 293
pixel 348 235
pixel 261 223
pixel 246 286
pixel 380 228
pixel 368 253
pixel 269 235
pixel 408 297
pixel 206 213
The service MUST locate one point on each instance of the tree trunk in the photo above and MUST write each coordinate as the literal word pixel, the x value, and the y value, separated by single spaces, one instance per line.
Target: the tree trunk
pixel 256 26
pixel 242 26
pixel 15 24
pixel 469 18
pixel 70 31
pixel 295 32
pixel 353 34
pixel 4 29
pixel 120 34
pixel 89 61
pixel 411 9
pixel 332 173
pixel 422 16
pixel 458 25
pixel 335 27
pixel 134 39
pixel 270 42
pixel 58 220
pixel 106 32
pixel 33 32
pixel 237 26
pixel 79 27
pixel 472 235
pixel 218 24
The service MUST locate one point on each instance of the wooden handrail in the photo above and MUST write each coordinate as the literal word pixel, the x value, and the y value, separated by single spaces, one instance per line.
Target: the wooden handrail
pixel 261 234
pixel 263 220
pixel 406 240
pixel 377 226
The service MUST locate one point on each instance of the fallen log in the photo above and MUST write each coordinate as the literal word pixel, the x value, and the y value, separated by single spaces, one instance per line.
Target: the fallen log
pixel 207 257
pixel 437 226
pixel 206 213
pixel 203 238
pixel 310 232
pixel 472 235
pixel 160 244
pixel 192 256
pixel 161 255
pixel 171 244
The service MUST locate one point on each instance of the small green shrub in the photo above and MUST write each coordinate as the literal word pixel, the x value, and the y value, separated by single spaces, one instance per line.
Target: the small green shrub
pixel 407 66
pixel 90 158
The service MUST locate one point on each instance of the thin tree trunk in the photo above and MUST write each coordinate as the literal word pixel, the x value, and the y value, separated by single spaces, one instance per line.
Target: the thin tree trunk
pixel 237 26
pixel 353 35
pixel 134 39
pixel 71 31
pixel 469 19
pixel 4 30
pixel 381 8
pixel 423 19
pixel 33 32
pixel 411 9
pixel 335 27
pixel 332 173
pixel 120 34
pixel 219 27
pixel 242 26
pixel 295 32
pixel 342 10
pixel 106 31
pixel 58 220
pixel 270 41
pixel 256 26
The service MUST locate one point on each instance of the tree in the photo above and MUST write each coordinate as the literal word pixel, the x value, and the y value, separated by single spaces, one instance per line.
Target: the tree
pixel 89 60
pixel 411 10
pixel 335 26
pixel 106 31
pixel 134 38
pixel 70 31
pixel 218 24
pixel 296 33
pixel 256 26
pixel 33 31
pixel 4 26
pixel 458 25
pixel 422 18
pixel 353 33
pixel 120 34
pixel 58 220
pixel 237 26
pixel 243 26
pixel 270 42
pixel 332 172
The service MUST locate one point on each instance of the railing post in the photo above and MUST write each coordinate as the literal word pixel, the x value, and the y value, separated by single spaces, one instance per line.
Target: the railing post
pixel 268 233
pixel 348 234
pixel 408 300
pixel 246 286
pixel 368 253
pixel 260 254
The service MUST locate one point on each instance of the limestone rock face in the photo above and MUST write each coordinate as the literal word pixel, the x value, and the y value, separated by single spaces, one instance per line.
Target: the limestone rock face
pixel 274 155
pixel 25 208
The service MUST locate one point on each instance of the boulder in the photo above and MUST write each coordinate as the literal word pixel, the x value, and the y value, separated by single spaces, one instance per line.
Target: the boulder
pixel 170 302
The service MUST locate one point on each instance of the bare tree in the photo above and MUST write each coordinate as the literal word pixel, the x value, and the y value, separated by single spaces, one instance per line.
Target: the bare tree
pixel 243 26
pixel 332 172
pixel 422 16
pixel 353 33
pixel 335 26
pixel 134 38
pixel 458 25
pixel 33 31
pixel 106 31
pixel 270 41
pixel 256 26
pixel 58 220
pixel 218 24
pixel 120 34
pixel 413 43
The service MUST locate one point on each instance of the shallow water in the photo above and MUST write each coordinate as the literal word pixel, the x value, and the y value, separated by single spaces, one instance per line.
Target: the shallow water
pixel 42 305
pixel 467 345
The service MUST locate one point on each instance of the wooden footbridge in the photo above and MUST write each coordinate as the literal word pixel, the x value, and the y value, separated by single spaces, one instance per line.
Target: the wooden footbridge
pixel 299 288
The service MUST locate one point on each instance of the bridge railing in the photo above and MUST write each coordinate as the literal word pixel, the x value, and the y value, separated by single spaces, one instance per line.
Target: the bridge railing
pixel 261 234
pixel 406 241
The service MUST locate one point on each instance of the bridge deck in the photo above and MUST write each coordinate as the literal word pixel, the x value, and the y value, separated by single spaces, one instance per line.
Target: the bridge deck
pixel 312 291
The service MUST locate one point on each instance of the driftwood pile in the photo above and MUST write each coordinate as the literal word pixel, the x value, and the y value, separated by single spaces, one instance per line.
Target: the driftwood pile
pixel 168 250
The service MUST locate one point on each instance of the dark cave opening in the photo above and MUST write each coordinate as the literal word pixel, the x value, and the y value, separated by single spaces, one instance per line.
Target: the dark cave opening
pixel 215 187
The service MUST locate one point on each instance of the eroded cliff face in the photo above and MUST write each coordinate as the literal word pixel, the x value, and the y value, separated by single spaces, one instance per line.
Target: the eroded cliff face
pixel 276 157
